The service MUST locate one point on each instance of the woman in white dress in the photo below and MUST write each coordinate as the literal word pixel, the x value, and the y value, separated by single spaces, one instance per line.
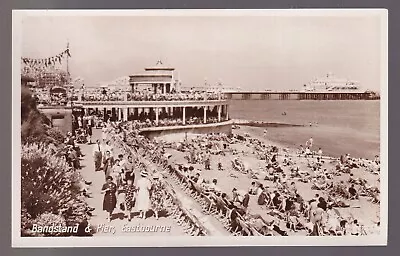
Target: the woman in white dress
pixel 143 194
pixel 104 133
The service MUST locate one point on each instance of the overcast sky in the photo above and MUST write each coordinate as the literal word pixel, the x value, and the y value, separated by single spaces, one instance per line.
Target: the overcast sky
pixel 250 52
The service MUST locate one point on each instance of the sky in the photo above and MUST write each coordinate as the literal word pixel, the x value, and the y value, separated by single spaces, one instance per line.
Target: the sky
pixel 251 52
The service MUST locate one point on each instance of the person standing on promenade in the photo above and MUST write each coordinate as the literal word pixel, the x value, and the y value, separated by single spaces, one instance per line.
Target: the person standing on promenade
pixel 143 196
pixel 157 195
pixel 104 132
pixel 129 169
pixel 108 163
pixel 97 154
pixel 110 200
pixel 116 172
pixel 129 190
pixel 89 134
pixel 79 122
pixel 108 147
pixel 121 160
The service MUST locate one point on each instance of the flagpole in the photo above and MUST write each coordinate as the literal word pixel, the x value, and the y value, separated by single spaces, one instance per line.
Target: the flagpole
pixel 68 62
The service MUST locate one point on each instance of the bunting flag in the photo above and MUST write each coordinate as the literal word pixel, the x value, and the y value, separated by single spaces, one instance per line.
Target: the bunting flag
pixel 47 62
pixel 39 68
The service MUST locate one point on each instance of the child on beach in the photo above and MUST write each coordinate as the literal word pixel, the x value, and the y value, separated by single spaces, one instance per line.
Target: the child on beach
pixel 253 188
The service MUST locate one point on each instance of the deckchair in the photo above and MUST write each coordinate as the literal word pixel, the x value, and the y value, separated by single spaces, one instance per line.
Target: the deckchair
pixel 209 204
pixel 245 227
pixel 196 190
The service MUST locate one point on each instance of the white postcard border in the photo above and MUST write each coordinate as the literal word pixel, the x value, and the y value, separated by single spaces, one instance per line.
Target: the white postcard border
pixel 179 241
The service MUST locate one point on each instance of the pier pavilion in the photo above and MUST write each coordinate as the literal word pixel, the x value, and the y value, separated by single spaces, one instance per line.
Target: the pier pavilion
pixel 270 95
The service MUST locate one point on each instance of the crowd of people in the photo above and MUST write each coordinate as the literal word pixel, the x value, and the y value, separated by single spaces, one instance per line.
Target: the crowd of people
pixel 170 122
pixel 128 185
pixel 44 97
pixel 318 216
pixel 121 95
pixel 280 199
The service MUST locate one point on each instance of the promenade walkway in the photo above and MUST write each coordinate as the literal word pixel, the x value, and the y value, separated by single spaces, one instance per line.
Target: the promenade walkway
pixel 118 224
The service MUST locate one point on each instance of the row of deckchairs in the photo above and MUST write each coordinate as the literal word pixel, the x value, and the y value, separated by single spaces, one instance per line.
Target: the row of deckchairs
pixel 214 205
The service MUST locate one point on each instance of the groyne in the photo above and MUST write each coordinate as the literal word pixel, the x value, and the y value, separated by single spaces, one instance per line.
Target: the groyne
pixel 263 124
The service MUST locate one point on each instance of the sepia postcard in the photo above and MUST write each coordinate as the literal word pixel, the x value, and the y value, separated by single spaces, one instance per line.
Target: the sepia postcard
pixel 160 128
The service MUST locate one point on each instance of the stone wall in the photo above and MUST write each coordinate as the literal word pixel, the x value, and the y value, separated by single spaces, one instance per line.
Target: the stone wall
pixel 59 117
pixel 181 132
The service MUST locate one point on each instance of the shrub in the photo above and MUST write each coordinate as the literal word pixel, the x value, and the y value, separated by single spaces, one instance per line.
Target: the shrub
pixel 34 124
pixel 49 185
pixel 56 134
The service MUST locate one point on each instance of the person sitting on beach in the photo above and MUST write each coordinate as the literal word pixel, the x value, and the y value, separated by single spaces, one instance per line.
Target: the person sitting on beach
pixel 263 197
pixel 277 200
pixel 253 188
pixel 308 152
pixel 295 172
pixel 353 192
pixel 319 183
pixel 225 199
pixel 260 189
pixel 196 178
pixel 273 159
pixel 334 201
pixel 270 175
pixel 241 197
pixel 293 188
pixel 352 180
pixel 283 178
pixel 354 229
pixel 266 230
pixel 277 181
pixel 315 198
pixel 214 188
pixel 301 150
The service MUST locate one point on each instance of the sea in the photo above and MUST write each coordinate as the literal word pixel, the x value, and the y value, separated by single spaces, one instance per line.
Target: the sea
pixel 338 127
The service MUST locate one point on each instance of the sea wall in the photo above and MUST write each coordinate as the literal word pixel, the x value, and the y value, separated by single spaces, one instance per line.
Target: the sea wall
pixel 181 132
pixel 263 124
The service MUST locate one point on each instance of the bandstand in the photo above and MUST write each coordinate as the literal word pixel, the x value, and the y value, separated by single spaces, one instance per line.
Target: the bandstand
pixel 158 79
pixel 175 115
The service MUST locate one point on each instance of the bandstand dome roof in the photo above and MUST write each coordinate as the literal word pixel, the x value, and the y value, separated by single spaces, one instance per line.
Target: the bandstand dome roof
pixel 158 73
pixel 159 66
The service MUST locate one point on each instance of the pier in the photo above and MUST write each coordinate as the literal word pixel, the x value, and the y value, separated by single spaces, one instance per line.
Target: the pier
pixel 283 95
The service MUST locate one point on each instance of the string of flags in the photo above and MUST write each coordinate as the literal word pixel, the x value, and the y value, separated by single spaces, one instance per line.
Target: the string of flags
pixel 51 61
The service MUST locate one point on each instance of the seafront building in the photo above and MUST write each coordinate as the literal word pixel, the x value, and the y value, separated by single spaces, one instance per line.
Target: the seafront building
pixel 154 100
pixel 330 83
